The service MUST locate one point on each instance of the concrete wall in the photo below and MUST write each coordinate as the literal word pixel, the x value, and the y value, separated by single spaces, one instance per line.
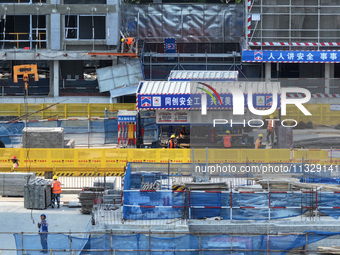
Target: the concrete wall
pixel 38 137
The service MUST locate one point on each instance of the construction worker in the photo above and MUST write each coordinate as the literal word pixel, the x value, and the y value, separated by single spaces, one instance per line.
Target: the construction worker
pixel 227 139
pixel 270 130
pixel 15 163
pixel 258 142
pixel 171 143
pixel 184 132
pixel 43 229
pixel 56 190
pixel 129 41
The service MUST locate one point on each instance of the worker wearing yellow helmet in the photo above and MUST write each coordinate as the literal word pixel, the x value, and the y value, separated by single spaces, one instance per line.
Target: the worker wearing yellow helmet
pixel 56 191
pixel 270 130
pixel 258 142
pixel 227 139
pixel 171 143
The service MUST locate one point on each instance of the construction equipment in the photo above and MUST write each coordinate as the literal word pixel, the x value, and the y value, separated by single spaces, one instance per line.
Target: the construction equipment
pixel 25 71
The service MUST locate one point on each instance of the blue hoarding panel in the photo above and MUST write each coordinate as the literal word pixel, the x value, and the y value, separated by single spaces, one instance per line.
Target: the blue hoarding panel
pixel 291 56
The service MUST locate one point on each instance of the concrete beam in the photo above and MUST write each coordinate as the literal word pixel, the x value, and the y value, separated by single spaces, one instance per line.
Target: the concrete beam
pixel 53 100
pixel 54 81
pixel 50 55
pixel 268 72
pixel 327 77
pixel 45 9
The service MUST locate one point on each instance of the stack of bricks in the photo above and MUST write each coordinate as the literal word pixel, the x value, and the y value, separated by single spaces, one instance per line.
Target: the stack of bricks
pixel 41 137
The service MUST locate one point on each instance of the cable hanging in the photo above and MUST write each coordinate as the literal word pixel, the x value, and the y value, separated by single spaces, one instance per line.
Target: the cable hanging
pixel 4 30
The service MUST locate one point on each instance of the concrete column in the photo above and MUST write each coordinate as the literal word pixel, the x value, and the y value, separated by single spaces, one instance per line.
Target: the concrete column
pixel 268 72
pixel 54 78
pixel 328 74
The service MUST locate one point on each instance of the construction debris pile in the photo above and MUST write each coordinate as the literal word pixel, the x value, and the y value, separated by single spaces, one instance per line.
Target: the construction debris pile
pixel 103 193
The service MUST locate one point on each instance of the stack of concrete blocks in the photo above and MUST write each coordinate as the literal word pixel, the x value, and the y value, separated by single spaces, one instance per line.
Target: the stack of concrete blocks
pixel 87 198
pixel 112 197
pixel 43 137
pixel 38 194
pixel 105 182
pixel 12 184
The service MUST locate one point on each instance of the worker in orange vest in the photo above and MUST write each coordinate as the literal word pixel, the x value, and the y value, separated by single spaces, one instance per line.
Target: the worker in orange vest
pixel 172 144
pixel 258 142
pixel 129 40
pixel 227 139
pixel 56 191
pixel 270 130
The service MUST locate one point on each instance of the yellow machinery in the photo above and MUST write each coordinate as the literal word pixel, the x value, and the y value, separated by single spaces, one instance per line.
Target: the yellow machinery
pixel 25 71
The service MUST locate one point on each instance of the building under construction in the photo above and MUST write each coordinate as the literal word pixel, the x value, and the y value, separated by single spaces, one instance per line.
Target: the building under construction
pixel 214 198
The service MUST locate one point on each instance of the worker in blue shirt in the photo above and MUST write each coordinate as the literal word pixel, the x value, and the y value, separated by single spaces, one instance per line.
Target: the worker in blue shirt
pixel 43 229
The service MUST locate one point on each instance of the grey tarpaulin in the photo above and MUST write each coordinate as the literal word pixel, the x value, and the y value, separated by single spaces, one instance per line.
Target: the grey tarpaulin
pixel 185 22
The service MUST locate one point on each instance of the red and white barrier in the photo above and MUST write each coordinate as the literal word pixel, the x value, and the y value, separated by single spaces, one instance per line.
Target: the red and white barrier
pixel 249 19
pixel 298 44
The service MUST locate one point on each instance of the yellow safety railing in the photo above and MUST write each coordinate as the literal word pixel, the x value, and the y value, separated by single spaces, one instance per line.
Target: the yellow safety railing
pixel 82 159
pixel 61 110
pixel 321 113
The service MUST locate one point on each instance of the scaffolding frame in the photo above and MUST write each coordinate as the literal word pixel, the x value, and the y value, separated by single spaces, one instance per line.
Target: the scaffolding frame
pixel 291 24
pixel 314 206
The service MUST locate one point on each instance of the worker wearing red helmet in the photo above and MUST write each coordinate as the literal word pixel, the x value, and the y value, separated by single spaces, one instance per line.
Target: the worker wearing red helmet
pixel 15 163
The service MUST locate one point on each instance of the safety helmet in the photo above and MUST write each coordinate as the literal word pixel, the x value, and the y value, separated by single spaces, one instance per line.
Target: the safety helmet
pixel 122 40
pixel 55 177
pixel 227 132
pixel 271 117
pixel 172 136
pixel 183 126
pixel 260 135
pixel 43 215
pixel 14 157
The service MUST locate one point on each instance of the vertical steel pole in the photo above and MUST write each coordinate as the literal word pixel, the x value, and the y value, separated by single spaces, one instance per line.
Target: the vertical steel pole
pixel 189 204
pixel 70 243
pixel 268 251
pixel 200 244
pixel 149 241
pixel 231 203
pixel 168 174
pixel 269 202
pixel 22 243
pixel 111 241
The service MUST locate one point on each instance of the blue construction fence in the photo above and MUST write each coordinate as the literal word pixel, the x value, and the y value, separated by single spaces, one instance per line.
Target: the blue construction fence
pixel 84 131
pixel 168 204
pixel 141 244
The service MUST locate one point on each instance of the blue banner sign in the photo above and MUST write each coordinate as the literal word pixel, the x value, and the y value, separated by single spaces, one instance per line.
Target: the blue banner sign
pixel 187 101
pixel 291 56
pixel 123 118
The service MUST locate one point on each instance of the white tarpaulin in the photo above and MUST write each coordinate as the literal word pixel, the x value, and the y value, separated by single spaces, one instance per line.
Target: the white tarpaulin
pixel 119 76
